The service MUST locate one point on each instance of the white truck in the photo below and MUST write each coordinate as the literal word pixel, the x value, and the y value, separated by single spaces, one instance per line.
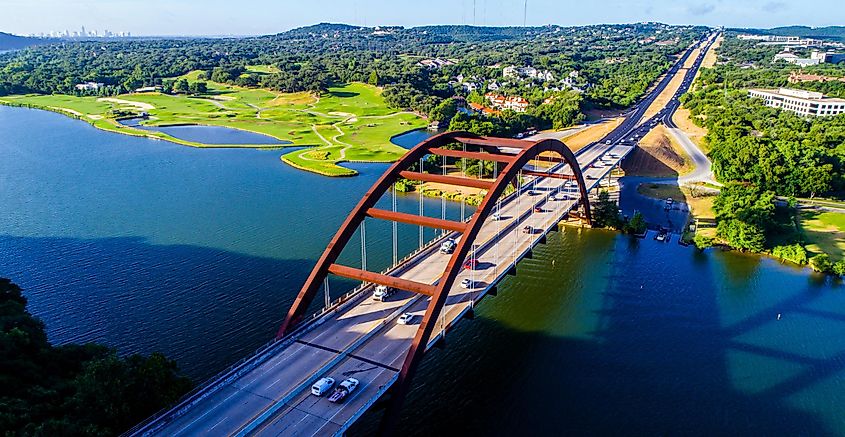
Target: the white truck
pixel 382 292
pixel 343 390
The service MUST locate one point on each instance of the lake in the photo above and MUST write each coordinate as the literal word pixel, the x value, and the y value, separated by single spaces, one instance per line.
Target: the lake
pixel 207 134
pixel 148 246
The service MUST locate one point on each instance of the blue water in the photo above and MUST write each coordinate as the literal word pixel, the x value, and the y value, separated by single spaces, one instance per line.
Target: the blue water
pixel 150 246
pixel 209 134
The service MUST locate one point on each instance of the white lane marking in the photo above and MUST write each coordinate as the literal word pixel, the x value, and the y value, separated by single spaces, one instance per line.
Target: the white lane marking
pixel 274 383
pixel 206 413
pixel 218 423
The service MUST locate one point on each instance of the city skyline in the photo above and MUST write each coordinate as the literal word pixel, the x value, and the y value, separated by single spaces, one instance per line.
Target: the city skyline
pixel 214 18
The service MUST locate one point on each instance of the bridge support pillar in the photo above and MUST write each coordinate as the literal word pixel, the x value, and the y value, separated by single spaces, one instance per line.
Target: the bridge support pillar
pixel 470 314
pixel 493 291
pixel 512 270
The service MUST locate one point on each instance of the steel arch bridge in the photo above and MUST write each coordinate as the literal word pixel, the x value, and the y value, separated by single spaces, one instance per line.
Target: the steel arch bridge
pixel 514 154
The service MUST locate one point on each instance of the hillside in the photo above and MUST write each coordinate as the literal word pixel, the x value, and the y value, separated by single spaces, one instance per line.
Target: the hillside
pixel 13 42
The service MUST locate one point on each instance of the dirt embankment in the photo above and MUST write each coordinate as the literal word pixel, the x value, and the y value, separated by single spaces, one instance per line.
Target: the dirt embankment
pixel 658 155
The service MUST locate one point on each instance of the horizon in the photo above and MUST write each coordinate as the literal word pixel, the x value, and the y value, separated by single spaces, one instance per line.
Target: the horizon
pixel 220 19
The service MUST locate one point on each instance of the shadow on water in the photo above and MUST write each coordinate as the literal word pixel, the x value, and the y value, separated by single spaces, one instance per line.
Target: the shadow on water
pixel 204 307
pixel 644 353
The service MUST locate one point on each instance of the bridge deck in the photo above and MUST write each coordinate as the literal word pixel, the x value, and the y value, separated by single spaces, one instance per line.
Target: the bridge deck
pixel 361 338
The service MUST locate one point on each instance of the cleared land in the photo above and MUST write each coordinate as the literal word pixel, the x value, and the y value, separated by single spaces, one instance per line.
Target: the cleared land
pixel 589 135
pixel 348 123
pixel 825 232
pixel 671 88
pixel 682 117
pixel 659 155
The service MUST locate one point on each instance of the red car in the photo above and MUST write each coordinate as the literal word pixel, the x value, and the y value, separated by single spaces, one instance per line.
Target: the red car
pixel 538 209
pixel 471 264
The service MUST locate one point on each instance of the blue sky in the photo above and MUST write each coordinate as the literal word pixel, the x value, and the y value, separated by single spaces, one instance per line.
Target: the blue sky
pixel 219 17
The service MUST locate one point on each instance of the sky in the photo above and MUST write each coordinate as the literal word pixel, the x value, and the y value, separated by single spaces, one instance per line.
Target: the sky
pixel 259 17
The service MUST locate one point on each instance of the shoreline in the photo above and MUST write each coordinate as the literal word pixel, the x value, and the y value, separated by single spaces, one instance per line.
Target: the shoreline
pixel 114 126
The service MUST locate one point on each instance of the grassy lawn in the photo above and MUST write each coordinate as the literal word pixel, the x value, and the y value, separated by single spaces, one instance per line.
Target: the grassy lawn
pixel 825 232
pixel 348 123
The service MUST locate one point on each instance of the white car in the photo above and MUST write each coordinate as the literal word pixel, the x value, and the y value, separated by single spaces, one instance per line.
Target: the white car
pixel 322 386
pixel 405 319
pixel 448 246
pixel 497 216
pixel 466 283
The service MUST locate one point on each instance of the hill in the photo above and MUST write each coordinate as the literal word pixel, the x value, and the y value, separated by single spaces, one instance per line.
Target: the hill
pixel 829 32
pixel 14 42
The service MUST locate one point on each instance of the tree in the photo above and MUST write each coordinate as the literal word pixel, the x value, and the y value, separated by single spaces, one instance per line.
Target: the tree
pixel 181 86
pixel 373 79
pixel 606 212
pixel 73 389
pixel 198 88
pixel 839 267
pixel 702 241
pixel 821 263
pixel 636 225
pixel 444 111
pixel 795 253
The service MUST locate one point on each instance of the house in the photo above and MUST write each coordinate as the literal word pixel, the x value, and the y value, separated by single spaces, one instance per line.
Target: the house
pixel 493 86
pixel 89 86
pixel 435 64
pixel 527 72
pixel 516 103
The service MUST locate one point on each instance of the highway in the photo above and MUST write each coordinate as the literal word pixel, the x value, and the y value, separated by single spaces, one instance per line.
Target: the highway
pixel 269 393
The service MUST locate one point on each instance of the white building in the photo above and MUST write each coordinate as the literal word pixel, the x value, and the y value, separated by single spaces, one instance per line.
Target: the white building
pixel 528 72
pixel 801 102
pixel 89 86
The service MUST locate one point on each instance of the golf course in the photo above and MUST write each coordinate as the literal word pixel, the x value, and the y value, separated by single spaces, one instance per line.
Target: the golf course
pixel 348 123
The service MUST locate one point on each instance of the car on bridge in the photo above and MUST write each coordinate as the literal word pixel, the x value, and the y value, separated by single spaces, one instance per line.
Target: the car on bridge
pixel 467 283
pixel 405 319
pixel 344 390
pixel 528 230
pixel 382 292
pixel 471 264
pixel 448 246
pixel 322 386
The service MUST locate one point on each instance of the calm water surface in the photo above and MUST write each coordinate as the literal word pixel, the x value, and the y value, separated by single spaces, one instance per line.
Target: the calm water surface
pixel 150 246
pixel 208 134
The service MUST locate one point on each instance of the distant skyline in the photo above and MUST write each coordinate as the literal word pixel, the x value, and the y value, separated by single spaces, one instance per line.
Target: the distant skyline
pixel 259 17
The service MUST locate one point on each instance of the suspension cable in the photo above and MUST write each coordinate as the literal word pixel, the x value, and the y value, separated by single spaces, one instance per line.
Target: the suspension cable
pixel 363 245
pixel 421 207
pixel 443 198
pixel 395 231
pixel 326 291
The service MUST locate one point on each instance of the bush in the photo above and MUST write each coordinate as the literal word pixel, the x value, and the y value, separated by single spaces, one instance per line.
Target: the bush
pixel 794 253
pixel 821 263
pixel 702 241
pixel 839 268
pixel 636 225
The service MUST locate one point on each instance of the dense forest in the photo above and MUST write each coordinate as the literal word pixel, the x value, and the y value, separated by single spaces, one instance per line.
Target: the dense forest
pixel 762 152
pixel 73 389
pixel 615 64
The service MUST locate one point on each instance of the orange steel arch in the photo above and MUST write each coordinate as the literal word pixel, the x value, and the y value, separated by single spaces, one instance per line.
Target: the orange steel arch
pixel 516 153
